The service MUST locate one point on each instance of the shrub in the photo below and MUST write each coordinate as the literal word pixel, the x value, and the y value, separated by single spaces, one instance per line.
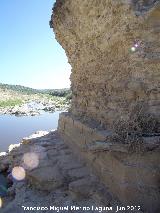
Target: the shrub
pixel 139 123
pixel 10 102
pixel 69 96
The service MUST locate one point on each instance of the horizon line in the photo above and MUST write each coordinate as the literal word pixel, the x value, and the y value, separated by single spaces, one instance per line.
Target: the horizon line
pixel 33 87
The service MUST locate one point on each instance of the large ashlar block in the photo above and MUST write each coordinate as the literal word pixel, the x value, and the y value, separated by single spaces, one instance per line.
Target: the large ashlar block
pixel 132 177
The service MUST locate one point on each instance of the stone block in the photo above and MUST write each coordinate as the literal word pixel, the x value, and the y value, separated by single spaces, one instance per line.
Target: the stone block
pixel 46 178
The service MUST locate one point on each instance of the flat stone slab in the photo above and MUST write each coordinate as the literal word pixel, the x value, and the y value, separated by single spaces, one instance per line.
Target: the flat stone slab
pixel 69 166
pixel 46 178
pixel 100 146
pixel 82 188
pixel 78 173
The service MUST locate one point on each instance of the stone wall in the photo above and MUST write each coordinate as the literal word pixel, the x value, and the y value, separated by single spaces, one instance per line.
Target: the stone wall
pixel 131 176
pixel 114 50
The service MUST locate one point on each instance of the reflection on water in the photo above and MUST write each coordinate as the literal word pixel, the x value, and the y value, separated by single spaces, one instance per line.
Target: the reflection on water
pixel 13 129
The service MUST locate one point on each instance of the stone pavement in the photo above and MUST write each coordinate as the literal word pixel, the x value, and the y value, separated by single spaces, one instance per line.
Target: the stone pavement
pixel 54 180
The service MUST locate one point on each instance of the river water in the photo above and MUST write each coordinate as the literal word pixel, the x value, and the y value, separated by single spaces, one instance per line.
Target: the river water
pixel 13 129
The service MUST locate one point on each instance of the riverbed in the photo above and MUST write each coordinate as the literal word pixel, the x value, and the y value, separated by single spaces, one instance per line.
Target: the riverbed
pixel 13 128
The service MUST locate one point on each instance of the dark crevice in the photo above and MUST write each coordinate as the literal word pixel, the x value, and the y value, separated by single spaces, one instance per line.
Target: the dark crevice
pixel 142 6
pixel 5 182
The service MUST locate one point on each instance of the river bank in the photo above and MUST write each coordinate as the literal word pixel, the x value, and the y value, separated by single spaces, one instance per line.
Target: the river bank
pixel 24 103
pixel 35 107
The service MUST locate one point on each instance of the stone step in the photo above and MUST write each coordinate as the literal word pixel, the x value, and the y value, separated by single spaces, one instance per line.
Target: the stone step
pixel 101 146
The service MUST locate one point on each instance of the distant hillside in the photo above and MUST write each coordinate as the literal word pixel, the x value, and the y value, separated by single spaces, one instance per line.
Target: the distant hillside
pixel 27 90
pixel 18 88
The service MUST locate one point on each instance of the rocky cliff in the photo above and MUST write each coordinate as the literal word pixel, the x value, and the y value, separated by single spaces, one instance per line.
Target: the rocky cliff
pixel 114 50
pixel 114 121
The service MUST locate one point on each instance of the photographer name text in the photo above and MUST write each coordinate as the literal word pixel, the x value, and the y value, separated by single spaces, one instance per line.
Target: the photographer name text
pixel 81 208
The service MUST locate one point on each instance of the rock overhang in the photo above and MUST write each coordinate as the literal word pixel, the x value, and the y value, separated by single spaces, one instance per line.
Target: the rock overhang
pixel 114 50
pixel 114 54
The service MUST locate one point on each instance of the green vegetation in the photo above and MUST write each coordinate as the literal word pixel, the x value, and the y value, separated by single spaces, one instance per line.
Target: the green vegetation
pixel 59 92
pixel 11 95
pixel 10 102
pixel 27 90
pixel 18 88
pixel 69 95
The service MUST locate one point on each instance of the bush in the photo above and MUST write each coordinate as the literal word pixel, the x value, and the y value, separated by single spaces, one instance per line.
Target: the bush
pixel 60 92
pixel 69 96
pixel 138 124
pixel 10 102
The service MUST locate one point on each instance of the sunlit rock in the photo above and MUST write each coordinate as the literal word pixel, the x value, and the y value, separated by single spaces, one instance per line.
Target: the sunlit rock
pixel 2 154
pixel 13 146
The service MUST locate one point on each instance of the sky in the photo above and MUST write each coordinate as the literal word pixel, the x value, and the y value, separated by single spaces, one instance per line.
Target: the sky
pixel 29 53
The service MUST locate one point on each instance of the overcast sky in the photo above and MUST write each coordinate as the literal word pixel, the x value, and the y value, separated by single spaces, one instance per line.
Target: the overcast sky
pixel 29 53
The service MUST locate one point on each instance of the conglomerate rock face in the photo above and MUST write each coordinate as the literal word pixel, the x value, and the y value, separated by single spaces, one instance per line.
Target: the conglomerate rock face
pixel 114 50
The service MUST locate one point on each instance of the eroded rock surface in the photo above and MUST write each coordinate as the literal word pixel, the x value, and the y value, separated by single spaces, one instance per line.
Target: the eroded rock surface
pixel 114 50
